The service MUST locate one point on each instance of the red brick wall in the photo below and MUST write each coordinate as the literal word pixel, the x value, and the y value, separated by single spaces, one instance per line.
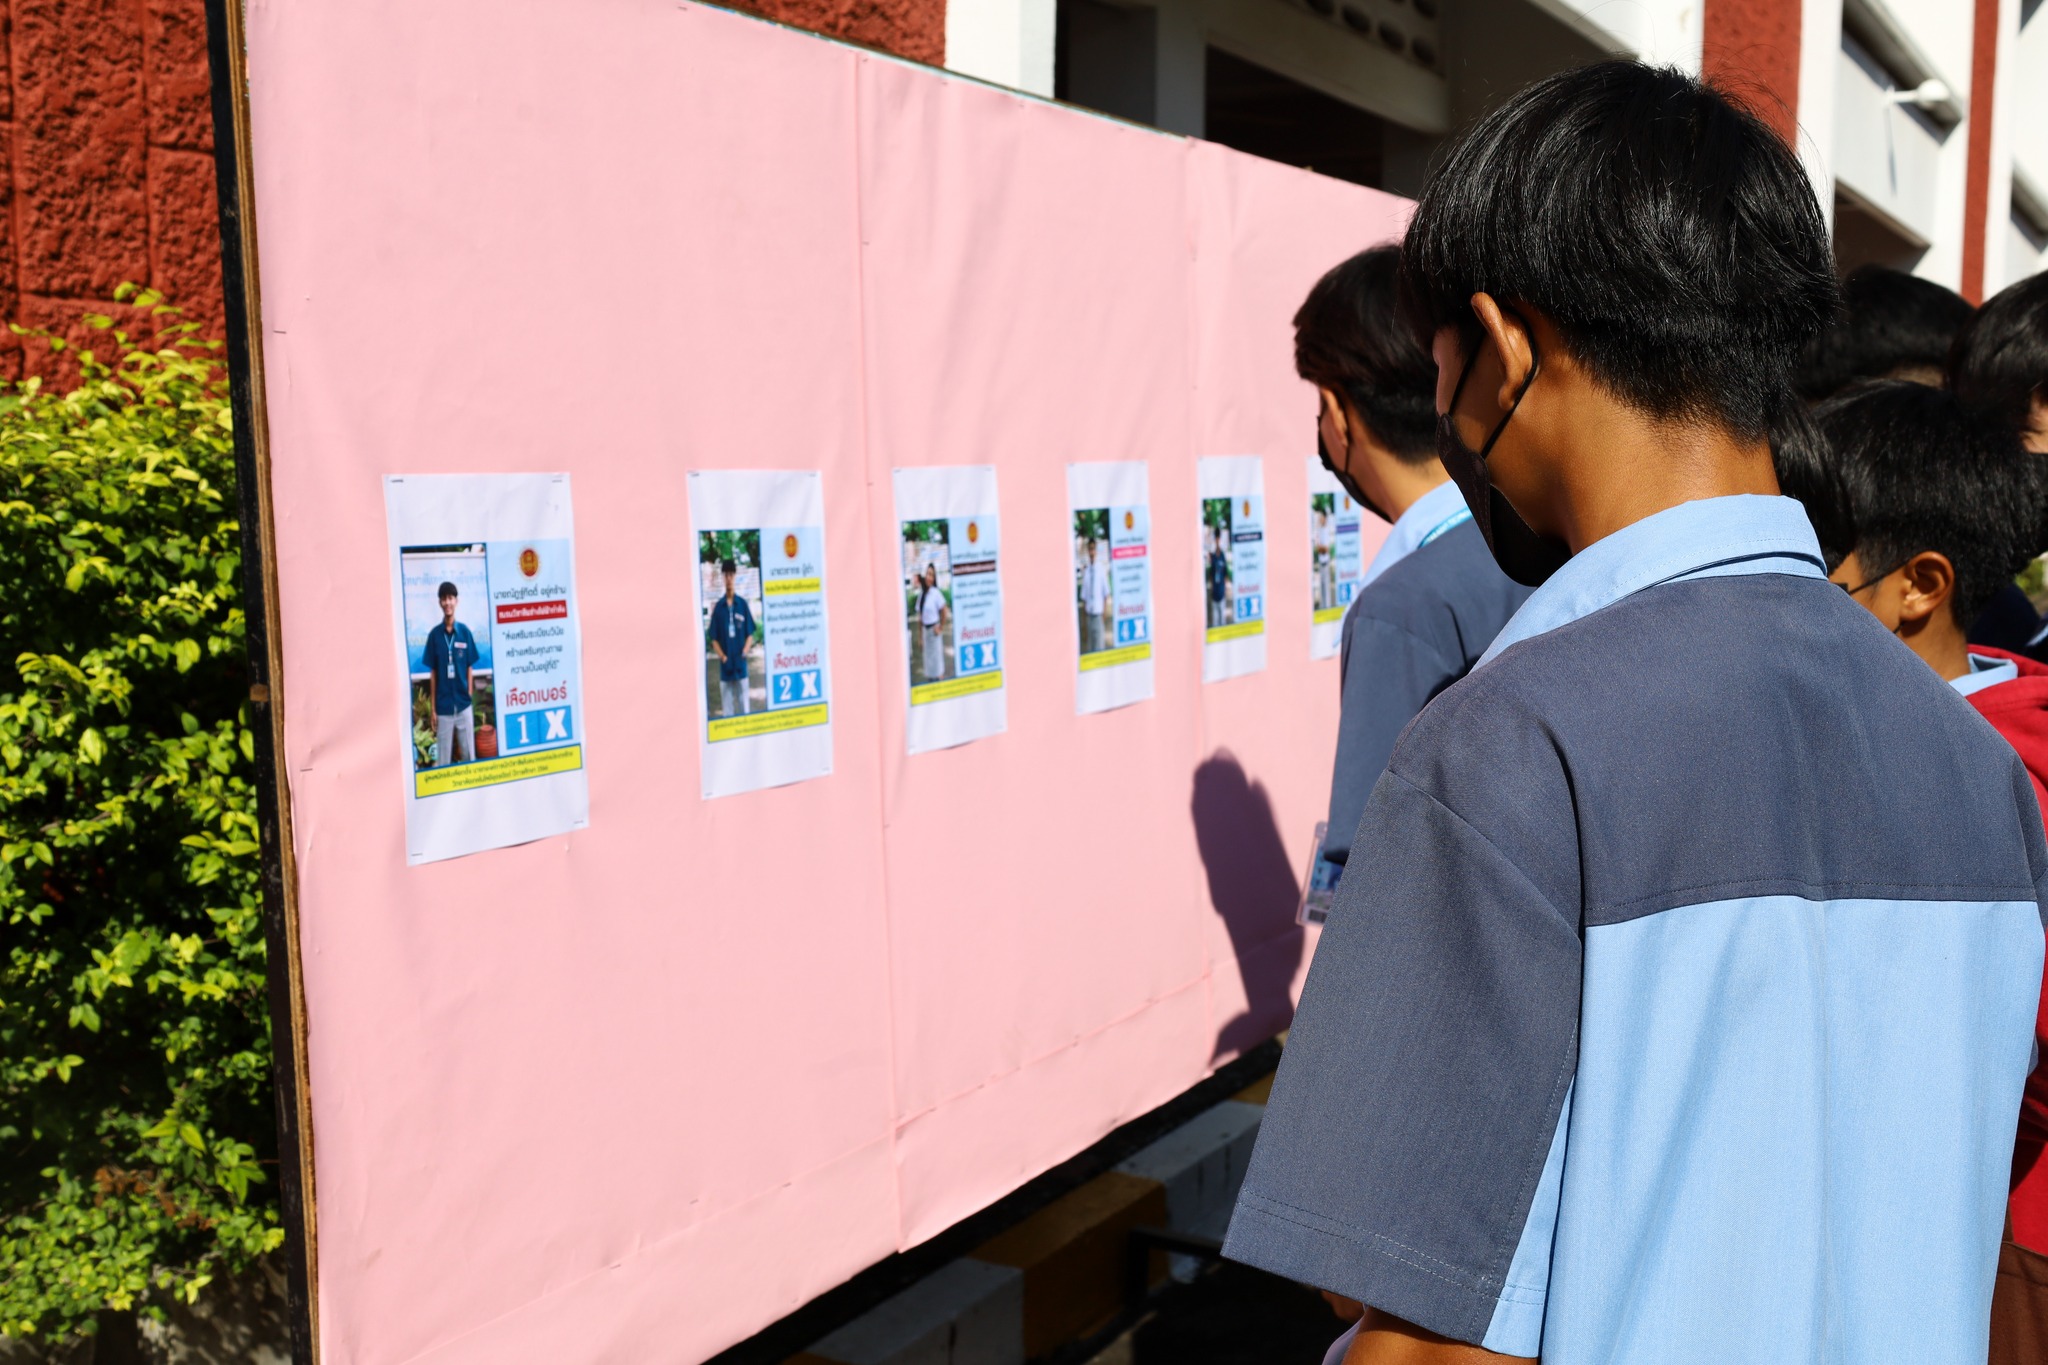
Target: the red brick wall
pixel 106 151
pixel 1977 193
pixel 106 164
pixel 909 28
pixel 1751 47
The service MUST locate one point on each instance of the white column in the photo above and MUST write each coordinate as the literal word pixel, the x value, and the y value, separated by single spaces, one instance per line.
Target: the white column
pixel 1009 42
pixel 1820 46
pixel 2005 80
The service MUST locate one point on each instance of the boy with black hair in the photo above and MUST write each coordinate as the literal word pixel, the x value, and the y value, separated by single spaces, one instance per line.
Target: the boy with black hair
pixel 1999 366
pixel 1925 516
pixel 1892 326
pixel 1998 369
pixel 1685 1014
pixel 1432 599
pixel 1934 514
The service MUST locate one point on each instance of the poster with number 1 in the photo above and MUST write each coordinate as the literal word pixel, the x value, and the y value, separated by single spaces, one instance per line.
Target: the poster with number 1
pixel 483 570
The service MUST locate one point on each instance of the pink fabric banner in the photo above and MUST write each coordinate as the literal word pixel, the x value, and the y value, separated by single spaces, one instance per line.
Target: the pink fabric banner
pixel 634 1092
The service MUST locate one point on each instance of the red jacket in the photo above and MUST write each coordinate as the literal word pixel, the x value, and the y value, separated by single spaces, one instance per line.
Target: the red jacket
pixel 2019 711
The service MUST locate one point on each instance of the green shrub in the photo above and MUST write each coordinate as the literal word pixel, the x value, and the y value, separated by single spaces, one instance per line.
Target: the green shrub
pixel 135 1103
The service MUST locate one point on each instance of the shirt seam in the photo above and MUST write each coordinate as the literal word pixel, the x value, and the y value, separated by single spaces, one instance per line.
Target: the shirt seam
pixel 1404 632
pixel 1365 1239
pixel 1434 800
pixel 1841 890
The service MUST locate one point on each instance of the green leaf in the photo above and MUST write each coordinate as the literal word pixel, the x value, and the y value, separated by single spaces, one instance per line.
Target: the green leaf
pixel 130 895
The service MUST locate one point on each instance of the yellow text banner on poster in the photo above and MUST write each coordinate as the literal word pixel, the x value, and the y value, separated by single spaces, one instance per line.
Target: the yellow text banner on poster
pixel 1110 658
pixel 1239 631
pixel 955 687
pixel 490 772
pixel 766 722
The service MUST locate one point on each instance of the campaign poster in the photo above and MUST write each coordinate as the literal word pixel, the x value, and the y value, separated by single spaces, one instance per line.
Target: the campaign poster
pixel 765 699
pixel 1233 493
pixel 483 573
pixel 1109 513
pixel 952 606
pixel 1336 559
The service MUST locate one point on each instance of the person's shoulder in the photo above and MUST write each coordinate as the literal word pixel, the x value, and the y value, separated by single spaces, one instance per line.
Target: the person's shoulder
pixel 1742 671
pixel 1449 590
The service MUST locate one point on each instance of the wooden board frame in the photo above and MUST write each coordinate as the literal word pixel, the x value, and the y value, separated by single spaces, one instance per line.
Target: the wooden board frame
pixel 234 184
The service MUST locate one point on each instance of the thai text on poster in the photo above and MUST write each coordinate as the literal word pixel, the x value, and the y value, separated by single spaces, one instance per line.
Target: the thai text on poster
pixel 1336 558
pixel 1110 520
pixel 765 688
pixel 484 596
pixel 952 605
pixel 1233 511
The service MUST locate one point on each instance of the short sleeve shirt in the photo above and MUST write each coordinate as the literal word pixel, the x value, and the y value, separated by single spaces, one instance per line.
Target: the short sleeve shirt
pixel 732 629
pixel 1094 588
pixel 932 606
pixel 1413 630
pixel 450 655
pixel 1685 1012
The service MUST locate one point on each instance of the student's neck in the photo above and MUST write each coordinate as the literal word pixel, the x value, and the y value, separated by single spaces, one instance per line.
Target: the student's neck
pixel 1942 643
pixel 1620 467
pixel 1405 484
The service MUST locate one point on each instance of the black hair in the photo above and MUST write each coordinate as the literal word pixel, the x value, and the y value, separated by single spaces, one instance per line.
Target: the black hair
pixel 447 590
pixel 1915 472
pixel 1349 338
pixel 1891 323
pixel 1666 232
pixel 1999 366
pixel 1807 471
pixel 727 566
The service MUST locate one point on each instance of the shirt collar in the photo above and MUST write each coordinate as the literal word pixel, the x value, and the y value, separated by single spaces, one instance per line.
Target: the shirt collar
pixel 1426 517
pixel 1985 672
pixel 1742 534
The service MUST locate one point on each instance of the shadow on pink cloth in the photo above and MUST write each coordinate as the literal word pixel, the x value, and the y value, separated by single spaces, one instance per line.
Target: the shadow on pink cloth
pixel 1253 887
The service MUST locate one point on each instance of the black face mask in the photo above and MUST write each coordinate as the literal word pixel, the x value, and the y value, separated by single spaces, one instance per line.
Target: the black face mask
pixel 1522 554
pixel 1344 480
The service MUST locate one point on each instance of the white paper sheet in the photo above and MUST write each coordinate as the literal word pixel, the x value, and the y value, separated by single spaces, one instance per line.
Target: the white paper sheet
pixel 1336 558
pixel 1111 503
pixel 773 725
pixel 1232 489
pixel 491 717
pixel 952 606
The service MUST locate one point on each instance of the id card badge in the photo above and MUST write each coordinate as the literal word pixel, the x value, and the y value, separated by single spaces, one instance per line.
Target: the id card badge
pixel 1319 889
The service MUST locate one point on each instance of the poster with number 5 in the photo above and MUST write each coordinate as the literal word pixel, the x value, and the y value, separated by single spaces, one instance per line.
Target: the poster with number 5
pixel 1233 493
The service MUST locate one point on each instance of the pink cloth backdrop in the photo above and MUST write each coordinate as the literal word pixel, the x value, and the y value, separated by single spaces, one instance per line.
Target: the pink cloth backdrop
pixel 632 1093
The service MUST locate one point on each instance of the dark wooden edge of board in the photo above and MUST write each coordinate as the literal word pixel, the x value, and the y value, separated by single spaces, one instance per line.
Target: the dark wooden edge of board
pixel 234 185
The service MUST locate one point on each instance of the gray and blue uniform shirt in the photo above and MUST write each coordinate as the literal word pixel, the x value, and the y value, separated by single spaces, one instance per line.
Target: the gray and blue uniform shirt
pixel 1431 602
pixel 1684 1014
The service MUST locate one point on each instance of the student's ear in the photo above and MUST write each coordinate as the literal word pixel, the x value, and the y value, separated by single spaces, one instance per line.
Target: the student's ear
pixel 1508 338
pixel 1333 412
pixel 1927 581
